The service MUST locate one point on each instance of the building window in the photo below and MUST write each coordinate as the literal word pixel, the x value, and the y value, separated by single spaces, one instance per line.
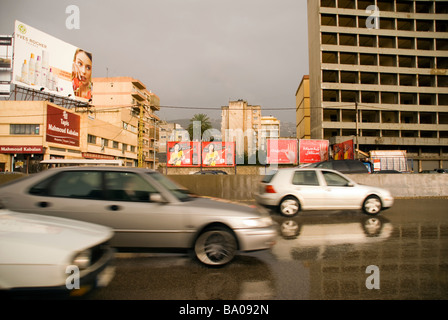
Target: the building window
pixel 115 144
pixel 25 129
pixel 104 142
pixel 91 139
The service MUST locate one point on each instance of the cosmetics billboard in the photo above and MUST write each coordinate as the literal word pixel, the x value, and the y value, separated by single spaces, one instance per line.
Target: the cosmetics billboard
pixel 45 63
pixel 282 151
pixel 183 154
pixel 218 154
pixel 311 151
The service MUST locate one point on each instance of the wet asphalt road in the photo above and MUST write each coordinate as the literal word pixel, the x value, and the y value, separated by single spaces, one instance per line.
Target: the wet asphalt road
pixel 318 255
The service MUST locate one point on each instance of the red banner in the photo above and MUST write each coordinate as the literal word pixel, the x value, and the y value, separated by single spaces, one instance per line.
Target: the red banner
pixel 282 151
pixel 183 154
pixel 218 154
pixel 343 151
pixel 62 126
pixel 311 151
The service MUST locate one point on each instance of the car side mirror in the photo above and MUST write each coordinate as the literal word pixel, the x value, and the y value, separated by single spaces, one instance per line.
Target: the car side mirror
pixel 350 184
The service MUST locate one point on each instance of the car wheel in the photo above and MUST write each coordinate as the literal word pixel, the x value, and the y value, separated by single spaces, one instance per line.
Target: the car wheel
pixel 372 205
pixel 215 247
pixel 289 206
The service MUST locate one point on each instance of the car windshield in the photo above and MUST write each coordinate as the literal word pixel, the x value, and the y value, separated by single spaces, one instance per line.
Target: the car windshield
pixel 179 192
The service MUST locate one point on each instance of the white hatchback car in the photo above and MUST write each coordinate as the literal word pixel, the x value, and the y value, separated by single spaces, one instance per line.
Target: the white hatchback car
pixel 48 257
pixel 294 189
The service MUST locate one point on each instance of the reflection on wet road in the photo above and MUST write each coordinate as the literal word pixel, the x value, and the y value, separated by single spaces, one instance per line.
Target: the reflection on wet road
pixel 317 256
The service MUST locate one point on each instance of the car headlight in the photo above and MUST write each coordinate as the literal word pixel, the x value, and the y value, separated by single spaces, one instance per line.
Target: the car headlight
pixel 258 222
pixel 83 259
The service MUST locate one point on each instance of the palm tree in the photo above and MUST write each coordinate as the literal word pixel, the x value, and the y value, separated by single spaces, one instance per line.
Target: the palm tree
pixel 205 123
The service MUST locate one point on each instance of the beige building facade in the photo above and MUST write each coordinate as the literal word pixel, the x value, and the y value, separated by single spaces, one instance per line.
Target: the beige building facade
pixel 32 131
pixel 241 123
pixel 126 102
pixel 379 73
pixel 303 122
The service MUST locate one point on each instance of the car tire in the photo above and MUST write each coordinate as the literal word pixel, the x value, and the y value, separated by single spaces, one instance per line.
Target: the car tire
pixel 289 206
pixel 372 205
pixel 215 246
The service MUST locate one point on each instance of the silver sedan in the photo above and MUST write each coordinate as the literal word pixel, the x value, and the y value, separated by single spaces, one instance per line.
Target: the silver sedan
pixel 145 209
pixel 293 189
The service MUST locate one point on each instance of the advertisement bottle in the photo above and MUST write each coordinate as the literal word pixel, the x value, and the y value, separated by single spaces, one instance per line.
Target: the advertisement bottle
pixel 45 66
pixel 24 72
pixel 49 83
pixel 38 72
pixel 31 70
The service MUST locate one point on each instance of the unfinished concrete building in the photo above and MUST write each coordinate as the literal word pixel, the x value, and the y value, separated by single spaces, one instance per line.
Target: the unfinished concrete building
pixel 387 62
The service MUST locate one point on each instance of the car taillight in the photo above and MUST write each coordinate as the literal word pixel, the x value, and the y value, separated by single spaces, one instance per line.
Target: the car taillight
pixel 269 189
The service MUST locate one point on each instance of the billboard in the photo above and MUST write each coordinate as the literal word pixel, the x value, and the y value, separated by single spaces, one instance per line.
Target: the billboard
pixel 218 154
pixel 183 154
pixel 281 151
pixel 62 126
pixel 5 65
pixel 44 62
pixel 343 151
pixel 311 151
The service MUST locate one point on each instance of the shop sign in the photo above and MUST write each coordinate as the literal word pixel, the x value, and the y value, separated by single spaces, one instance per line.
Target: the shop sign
pixel 21 149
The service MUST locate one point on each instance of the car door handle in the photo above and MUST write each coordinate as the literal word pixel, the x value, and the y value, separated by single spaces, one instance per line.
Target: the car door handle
pixel 114 207
pixel 43 204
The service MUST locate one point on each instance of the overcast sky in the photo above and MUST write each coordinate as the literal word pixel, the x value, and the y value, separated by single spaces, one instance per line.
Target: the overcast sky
pixel 191 53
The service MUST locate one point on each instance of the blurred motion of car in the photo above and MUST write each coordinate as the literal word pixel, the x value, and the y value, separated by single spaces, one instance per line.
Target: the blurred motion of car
pixel 146 210
pixel 293 189
pixel 37 250
pixel 343 166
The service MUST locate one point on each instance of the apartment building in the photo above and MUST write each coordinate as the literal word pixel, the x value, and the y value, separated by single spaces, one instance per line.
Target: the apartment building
pixel 240 123
pixel 303 129
pixel 127 103
pixel 379 72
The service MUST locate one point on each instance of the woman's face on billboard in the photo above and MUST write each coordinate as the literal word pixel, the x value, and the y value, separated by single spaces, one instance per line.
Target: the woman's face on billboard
pixel 84 67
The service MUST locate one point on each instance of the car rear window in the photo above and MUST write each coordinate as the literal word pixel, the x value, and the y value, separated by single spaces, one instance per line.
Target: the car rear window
pixel 269 176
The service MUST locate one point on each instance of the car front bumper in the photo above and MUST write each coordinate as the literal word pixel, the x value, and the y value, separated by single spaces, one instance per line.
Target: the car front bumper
pixel 388 202
pixel 256 238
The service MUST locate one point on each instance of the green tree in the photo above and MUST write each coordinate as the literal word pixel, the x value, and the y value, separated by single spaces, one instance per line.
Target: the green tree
pixel 205 123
